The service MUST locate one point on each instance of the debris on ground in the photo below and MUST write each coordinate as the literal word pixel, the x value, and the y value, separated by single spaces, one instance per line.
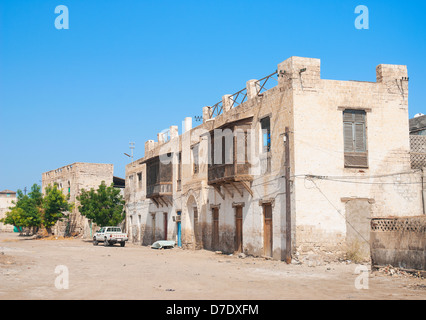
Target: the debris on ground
pixel 394 271
pixel 163 244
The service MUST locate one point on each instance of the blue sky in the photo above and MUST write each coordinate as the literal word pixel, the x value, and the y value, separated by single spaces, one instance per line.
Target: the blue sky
pixel 125 70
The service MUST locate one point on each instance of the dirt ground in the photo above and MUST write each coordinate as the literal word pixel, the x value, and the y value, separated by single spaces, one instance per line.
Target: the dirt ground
pixel 27 271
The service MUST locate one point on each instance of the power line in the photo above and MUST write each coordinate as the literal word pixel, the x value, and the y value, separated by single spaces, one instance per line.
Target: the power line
pixel 357 182
pixel 338 211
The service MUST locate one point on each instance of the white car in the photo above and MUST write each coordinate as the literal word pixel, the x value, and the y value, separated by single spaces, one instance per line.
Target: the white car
pixel 109 236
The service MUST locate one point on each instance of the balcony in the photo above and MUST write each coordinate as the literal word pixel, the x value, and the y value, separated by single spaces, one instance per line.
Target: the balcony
pixel 222 173
pixel 229 170
pixel 159 189
pixel 159 181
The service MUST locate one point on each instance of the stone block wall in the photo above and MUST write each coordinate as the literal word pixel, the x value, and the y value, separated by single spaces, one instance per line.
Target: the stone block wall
pixel 400 242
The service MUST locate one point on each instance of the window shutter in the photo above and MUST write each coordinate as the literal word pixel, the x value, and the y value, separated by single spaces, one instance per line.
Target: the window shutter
pixel 360 137
pixel 348 116
pixel 355 140
pixel 348 137
pixel 359 117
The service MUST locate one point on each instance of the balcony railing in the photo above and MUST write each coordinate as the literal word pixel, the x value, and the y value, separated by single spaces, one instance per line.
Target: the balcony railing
pixel 222 173
pixel 159 189
pixel 239 97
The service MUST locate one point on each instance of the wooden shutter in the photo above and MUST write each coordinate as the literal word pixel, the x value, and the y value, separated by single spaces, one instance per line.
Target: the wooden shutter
pixel 359 137
pixel 355 139
pixel 348 136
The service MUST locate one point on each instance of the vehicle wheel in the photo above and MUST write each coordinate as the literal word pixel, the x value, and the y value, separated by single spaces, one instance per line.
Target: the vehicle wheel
pixel 95 242
pixel 122 244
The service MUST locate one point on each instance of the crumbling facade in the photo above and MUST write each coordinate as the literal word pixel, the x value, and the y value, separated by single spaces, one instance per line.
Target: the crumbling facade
pixel 301 166
pixel 7 198
pixel 71 179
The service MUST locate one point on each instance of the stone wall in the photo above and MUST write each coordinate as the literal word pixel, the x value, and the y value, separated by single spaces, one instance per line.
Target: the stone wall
pixel 400 242
pixel 71 179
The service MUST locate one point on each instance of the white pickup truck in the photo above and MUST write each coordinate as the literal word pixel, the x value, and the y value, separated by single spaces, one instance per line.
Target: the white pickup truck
pixel 109 236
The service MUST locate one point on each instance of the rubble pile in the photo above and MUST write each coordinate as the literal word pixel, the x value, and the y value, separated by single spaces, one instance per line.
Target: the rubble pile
pixel 394 271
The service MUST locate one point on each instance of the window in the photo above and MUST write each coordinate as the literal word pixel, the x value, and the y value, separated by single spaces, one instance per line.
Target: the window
pixel 355 138
pixel 265 158
pixel 139 179
pixel 179 171
pixel 265 124
pixel 419 133
pixel 196 167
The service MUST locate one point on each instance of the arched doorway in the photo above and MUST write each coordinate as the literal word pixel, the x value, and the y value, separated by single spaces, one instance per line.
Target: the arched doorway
pixel 193 214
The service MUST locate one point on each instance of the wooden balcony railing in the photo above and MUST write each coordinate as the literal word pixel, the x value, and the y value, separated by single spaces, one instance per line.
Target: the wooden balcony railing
pixel 159 189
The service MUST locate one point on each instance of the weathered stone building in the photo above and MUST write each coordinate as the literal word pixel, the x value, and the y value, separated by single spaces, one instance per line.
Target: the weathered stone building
pixel 71 179
pixel 302 166
pixel 7 197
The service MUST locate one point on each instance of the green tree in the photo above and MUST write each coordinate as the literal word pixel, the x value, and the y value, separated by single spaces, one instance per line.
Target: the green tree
pixel 104 206
pixel 55 206
pixel 14 217
pixel 36 195
pixel 27 210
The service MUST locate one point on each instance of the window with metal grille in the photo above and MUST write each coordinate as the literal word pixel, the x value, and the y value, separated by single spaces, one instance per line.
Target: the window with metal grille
pixel 355 138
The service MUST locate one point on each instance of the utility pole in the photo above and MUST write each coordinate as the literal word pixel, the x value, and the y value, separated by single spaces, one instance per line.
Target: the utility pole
pixel 287 196
pixel 132 146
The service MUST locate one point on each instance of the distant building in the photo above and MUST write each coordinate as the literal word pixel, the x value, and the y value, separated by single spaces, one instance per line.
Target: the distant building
pixel 71 179
pixel 6 199
pixel 418 125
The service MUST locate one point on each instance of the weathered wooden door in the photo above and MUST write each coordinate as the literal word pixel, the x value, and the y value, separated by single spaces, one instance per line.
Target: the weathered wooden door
pixel 153 227
pixel 215 228
pixel 239 229
pixel 197 240
pixel 165 225
pixel 267 230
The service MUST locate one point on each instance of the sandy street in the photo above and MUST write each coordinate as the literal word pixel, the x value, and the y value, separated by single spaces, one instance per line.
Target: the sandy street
pixel 27 271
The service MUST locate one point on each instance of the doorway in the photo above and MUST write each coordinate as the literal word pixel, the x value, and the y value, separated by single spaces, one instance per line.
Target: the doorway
pixel 215 228
pixel 358 226
pixel 165 225
pixel 179 230
pixel 267 230
pixel 196 229
pixel 153 227
pixel 239 229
